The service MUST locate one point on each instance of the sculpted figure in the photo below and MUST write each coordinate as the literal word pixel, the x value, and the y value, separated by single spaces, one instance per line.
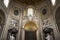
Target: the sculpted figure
pixel 12 37
pixel 49 37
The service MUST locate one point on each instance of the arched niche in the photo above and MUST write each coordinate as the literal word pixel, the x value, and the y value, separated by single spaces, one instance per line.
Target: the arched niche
pixel 2 20
pixel 57 17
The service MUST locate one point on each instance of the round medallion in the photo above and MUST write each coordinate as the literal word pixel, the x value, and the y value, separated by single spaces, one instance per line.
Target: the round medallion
pixel 44 11
pixel 16 12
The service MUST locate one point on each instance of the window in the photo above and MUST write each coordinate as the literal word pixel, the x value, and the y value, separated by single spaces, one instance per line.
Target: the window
pixel 30 12
pixel 53 2
pixel 6 2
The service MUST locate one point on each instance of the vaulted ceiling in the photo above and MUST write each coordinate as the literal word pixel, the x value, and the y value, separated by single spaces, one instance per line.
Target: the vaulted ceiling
pixel 30 2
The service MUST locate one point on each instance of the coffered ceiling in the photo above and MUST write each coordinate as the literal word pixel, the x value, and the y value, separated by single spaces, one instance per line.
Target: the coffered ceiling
pixel 30 2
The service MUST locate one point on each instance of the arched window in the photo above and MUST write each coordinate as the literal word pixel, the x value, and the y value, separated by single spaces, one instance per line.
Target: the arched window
pixel 53 2
pixel 30 12
pixel 6 2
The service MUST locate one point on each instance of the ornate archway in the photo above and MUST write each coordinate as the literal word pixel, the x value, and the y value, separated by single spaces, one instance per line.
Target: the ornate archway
pixel 2 21
pixel 30 31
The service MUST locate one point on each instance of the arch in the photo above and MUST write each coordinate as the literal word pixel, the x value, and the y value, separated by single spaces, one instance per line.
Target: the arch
pixel 30 26
pixel 57 17
pixel 2 20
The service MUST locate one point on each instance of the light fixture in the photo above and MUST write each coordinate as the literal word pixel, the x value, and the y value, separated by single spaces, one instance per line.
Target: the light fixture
pixel 6 2
pixel 53 2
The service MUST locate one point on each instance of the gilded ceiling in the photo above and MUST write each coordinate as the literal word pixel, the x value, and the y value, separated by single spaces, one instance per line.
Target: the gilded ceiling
pixel 30 26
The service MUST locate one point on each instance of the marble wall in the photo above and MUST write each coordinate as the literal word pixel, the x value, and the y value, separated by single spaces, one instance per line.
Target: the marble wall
pixel 44 16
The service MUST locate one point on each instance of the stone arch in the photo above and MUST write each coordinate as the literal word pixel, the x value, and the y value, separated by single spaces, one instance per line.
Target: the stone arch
pixel 2 20
pixel 57 17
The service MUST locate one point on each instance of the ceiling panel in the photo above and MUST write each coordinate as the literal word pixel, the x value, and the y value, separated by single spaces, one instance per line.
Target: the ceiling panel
pixel 28 1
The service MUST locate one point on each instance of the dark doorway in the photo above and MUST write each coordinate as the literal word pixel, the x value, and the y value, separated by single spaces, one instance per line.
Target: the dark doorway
pixel 30 35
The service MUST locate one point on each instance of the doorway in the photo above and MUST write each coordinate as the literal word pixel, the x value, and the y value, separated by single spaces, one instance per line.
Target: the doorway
pixel 30 35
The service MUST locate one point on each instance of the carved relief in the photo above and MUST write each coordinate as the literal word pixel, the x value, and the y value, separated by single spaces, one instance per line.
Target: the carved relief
pixel 48 34
pixel 47 22
pixel 14 23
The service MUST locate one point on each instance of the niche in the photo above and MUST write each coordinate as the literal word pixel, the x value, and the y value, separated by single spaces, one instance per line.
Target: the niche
pixel 48 34
pixel 44 11
pixel 12 34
